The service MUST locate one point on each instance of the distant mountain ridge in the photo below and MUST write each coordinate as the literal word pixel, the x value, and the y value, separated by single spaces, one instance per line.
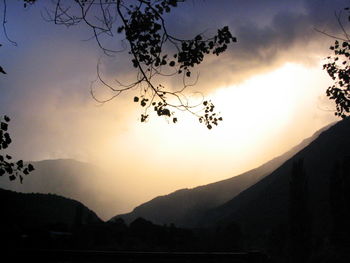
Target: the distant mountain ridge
pixel 69 178
pixel 183 207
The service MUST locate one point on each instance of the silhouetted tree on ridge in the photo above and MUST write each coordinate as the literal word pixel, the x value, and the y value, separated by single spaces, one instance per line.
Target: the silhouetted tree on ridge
pixel 340 202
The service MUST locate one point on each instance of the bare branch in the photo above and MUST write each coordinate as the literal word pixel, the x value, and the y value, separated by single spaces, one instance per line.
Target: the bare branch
pixel 149 44
pixel 4 21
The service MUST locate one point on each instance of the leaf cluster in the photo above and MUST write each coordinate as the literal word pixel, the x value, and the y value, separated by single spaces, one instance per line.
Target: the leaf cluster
pixel 338 68
pixel 145 30
pixel 160 108
pixel 28 2
pixel 210 117
pixel 13 169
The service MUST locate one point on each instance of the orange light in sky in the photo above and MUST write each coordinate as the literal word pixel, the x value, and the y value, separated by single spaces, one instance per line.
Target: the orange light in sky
pixel 263 117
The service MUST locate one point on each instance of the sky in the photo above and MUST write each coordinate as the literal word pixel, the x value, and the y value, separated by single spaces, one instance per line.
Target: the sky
pixel 269 87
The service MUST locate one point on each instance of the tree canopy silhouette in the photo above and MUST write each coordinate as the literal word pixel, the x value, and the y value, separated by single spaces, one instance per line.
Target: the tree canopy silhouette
pixel 154 51
pixel 338 68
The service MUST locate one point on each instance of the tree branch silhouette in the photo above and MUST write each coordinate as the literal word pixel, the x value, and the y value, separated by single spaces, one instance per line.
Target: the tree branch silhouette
pixel 14 170
pixel 338 68
pixel 154 52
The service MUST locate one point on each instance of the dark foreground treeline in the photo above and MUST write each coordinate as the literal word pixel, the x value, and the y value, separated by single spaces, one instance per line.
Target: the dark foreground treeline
pixel 140 235
pixel 47 221
pixel 140 242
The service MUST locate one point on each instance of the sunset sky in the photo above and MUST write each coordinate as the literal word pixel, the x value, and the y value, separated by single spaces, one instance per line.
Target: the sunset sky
pixel 269 87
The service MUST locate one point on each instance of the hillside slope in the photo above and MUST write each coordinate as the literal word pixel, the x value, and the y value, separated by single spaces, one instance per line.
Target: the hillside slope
pixel 263 208
pixel 37 210
pixel 183 207
pixel 72 179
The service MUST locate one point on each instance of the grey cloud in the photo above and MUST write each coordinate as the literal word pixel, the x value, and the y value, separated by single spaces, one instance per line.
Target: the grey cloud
pixel 269 33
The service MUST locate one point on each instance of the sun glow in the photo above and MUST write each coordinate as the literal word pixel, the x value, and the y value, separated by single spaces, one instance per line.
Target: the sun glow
pixel 262 118
pixel 256 108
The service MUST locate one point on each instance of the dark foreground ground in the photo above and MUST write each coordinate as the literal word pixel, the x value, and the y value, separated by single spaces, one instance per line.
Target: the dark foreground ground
pixel 70 256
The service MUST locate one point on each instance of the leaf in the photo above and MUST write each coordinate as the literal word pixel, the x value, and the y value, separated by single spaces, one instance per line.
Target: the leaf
pixel 4 126
pixel 12 177
pixel 20 163
pixel 144 117
pixel 166 112
pixel 7 139
pixel 30 167
pixel 2 70
pixel 8 169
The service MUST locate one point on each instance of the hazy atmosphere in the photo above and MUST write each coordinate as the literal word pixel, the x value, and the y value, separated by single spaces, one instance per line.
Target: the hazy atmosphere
pixel 269 87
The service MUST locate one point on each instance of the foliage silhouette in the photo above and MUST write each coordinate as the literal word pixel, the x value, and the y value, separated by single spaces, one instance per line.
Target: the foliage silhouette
pixel 154 52
pixel 338 68
pixel 15 170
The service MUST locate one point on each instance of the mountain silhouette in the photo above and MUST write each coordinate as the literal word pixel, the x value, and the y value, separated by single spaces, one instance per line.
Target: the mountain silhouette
pixel 32 210
pixel 72 179
pixel 185 206
pixel 262 209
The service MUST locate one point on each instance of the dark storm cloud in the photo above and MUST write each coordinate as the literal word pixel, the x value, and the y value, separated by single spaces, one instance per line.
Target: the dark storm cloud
pixel 287 27
pixel 269 33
